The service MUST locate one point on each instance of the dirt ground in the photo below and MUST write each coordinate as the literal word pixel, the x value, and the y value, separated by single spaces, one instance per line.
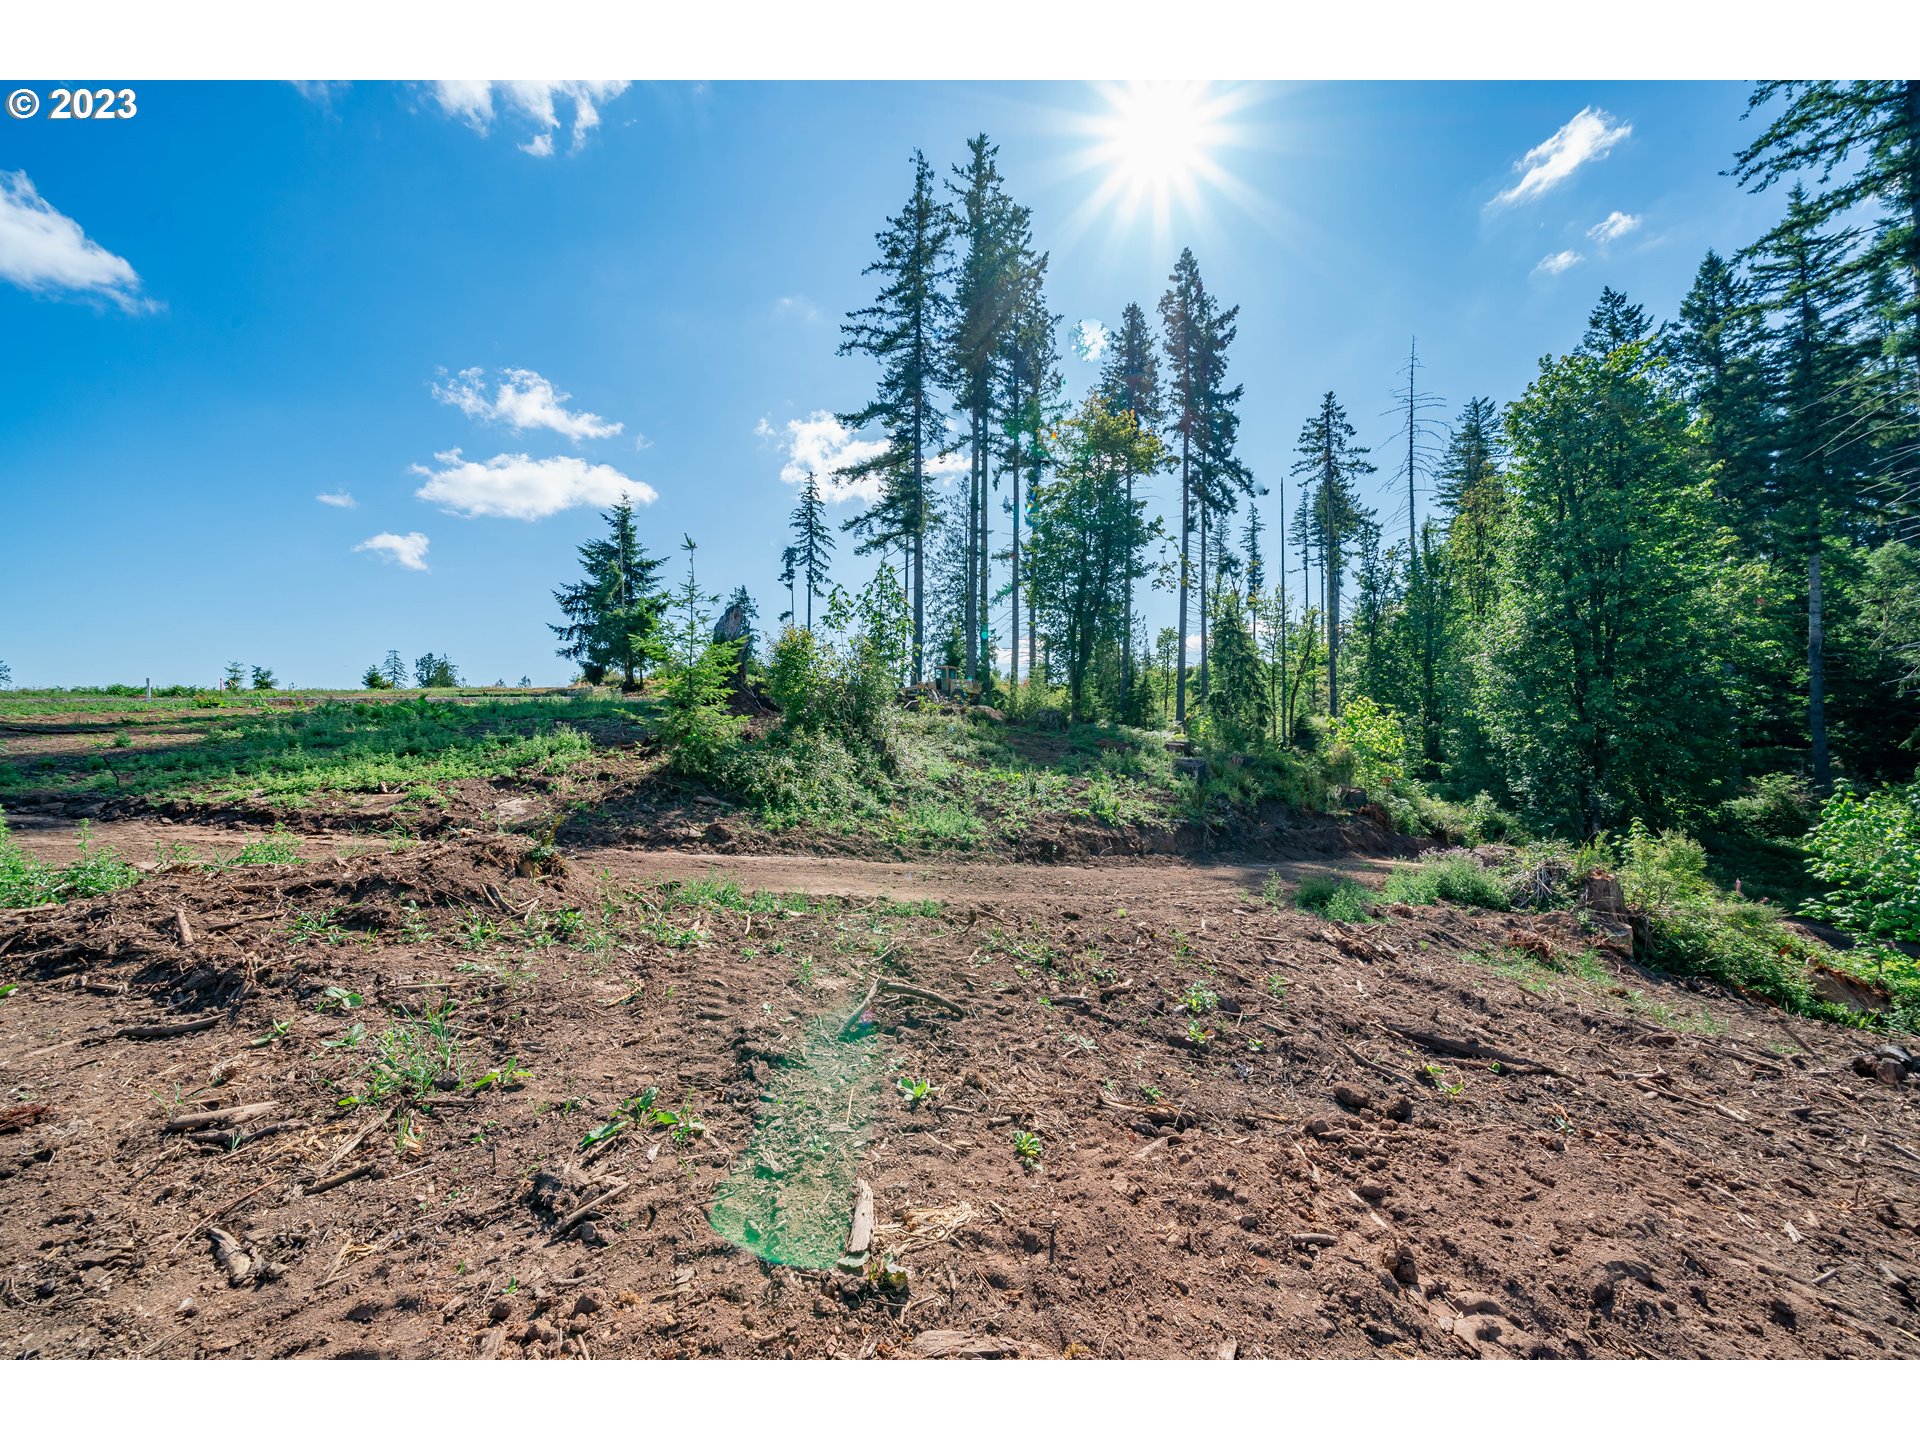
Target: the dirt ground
pixel 1250 1132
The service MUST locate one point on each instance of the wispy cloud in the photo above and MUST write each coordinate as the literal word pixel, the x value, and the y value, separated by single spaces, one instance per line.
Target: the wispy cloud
pixel 408 551
pixel 45 253
pixel 1587 136
pixel 321 92
pixel 522 400
pixel 1090 339
pixel 1558 263
pixel 797 307
pixel 1613 227
pixel 518 487
pixel 821 444
pixel 480 102
pixel 339 499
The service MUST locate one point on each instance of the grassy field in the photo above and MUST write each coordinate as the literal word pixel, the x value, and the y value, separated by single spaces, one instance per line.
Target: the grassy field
pixel 290 747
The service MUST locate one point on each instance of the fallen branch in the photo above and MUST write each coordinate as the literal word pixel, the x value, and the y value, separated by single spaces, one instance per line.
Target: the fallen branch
pixel 186 930
pixel 860 1232
pixel 1375 1065
pixel 1470 1050
pixel 354 1143
pixel 21 1116
pixel 334 1182
pixel 592 1207
pixel 165 1032
pixel 214 927
pixel 205 1119
pixel 861 1009
pixel 914 992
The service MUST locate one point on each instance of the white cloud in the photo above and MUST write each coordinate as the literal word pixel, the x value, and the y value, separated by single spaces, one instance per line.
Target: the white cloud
pixel 479 103
pixel 641 442
pixel 1587 136
pixel 1090 339
pixel 820 443
pixel 798 306
pixel 340 499
pixel 44 252
pixel 320 92
pixel 408 550
pixel 518 487
pixel 1613 227
pixel 522 400
pixel 1558 262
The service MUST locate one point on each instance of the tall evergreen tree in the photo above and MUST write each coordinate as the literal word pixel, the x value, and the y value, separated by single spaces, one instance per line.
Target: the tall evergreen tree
pixel 1130 380
pixel 1331 464
pixel 1183 313
pixel 811 550
pixel 905 329
pixel 1472 495
pixel 1718 351
pixel 985 293
pixel 613 611
pixel 1802 277
pixel 1219 476
pixel 1030 376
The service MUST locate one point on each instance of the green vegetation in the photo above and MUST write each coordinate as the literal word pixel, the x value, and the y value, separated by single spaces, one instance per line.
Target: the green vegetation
pixel 24 881
pixel 1457 879
pixel 1333 896
pixel 293 754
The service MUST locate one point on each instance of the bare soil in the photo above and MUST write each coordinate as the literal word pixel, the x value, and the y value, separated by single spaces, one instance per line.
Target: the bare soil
pixel 1440 1135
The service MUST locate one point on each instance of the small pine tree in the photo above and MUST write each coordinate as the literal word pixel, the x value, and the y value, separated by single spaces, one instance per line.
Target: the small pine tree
pixel 236 676
pixel 262 678
pixel 698 675
pixel 374 680
pixel 394 669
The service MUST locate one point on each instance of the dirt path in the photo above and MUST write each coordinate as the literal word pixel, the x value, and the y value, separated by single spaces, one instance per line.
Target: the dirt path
pixel 56 840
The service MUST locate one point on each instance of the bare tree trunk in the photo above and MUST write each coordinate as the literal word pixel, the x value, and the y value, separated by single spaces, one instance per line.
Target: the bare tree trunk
pixel 1817 674
pixel 1186 525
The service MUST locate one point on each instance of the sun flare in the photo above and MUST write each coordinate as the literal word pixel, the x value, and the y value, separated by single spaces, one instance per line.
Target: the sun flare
pixel 1160 132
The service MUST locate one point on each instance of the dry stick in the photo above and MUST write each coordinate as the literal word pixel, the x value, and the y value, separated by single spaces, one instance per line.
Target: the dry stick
pixel 333 1182
pixel 574 1217
pixel 860 1009
pixel 186 930
pixel 914 992
pixel 230 1205
pixel 204 1119
pixel 860 1233
pixel 219 925
pixel 354 1143
pixel 1468 1049
pixel 165 1032
pixel 1386 1070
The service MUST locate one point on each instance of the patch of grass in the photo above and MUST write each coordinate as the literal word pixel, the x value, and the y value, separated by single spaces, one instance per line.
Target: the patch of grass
pixel 1335 897
pixel 279 848
pixel 24 881
pixel 1456 879
pixel 293 748
pixel 410 1057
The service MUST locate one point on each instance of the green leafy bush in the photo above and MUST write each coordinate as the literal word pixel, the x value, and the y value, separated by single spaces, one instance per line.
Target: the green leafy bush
pixel 1868 848
pixel 1696 929
pixel 1773 807
pixel 1368 743
pixel 1457 879
pixel 1334 897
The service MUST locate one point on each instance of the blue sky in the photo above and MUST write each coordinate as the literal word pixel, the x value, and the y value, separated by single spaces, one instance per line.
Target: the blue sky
pixel 249 296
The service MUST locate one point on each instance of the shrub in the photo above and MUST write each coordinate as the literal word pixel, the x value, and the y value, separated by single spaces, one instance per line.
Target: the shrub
pixel 1773 807
pixel 1457 879
pixel 1694 928
pixel 1369 744
pixel 1868 848
pixel 1335 897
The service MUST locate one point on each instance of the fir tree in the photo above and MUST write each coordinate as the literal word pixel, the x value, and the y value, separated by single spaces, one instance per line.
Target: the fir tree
pixel 1331 463
pixel 613 611
pixel 905 329
pixel 806 559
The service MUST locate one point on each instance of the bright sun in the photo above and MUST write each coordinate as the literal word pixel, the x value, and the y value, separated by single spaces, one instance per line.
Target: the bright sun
pixel 1159 133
